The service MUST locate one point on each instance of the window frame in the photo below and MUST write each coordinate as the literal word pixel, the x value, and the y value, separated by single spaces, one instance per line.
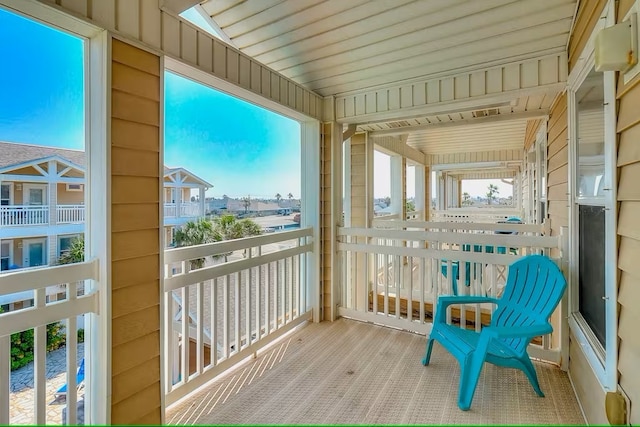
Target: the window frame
pixel 10 185
pixel 601 359
pixel 10 243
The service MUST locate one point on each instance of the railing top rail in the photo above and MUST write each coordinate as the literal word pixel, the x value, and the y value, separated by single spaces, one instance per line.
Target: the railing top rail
pixel 219 248
pixel 467 226
pixel 509 240
pixel 42 277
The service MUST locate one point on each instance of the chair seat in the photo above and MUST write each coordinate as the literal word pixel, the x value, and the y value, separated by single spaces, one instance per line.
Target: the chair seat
pixel 465 341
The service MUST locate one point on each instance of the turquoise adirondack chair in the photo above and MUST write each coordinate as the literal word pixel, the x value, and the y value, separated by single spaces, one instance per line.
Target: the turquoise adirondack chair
pixel 534 288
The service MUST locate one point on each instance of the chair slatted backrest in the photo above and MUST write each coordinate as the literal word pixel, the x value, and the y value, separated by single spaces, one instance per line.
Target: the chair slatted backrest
pixel 534 288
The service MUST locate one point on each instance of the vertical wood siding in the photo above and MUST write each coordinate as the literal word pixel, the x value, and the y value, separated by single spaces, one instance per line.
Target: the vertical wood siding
pixel 135 234
pixel 144 21
pixel 530 133
pixel 325 219
pixel 628 128
pixel 359 208
pixel 557 166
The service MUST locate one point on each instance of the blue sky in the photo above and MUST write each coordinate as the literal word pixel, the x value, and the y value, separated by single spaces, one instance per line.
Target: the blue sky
pixel 238 147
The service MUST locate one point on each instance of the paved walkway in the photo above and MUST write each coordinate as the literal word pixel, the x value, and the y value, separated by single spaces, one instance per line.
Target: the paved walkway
pixel 22 391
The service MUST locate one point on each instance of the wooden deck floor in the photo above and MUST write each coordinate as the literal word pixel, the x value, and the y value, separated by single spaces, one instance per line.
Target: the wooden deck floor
pixel 348 372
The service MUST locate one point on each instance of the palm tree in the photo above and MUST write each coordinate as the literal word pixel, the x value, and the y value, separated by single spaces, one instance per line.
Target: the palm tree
pixel 278 197
pixel 492 193
pixel 229 228
pixel 196 232
pixel 290 196
pixel 466 198
pixel 246 202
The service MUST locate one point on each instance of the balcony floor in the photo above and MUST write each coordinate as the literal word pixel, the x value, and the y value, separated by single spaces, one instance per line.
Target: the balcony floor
pixel 348 372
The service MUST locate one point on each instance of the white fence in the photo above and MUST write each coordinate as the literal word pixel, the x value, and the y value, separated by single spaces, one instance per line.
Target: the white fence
pixel 394 275
pixel 247 293
pixel 16 215
pixel 37 317
pixel 187 210
pixel 484 215
pixel 70 214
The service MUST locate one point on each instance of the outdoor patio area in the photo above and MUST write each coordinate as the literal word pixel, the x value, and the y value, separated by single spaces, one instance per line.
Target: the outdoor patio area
pixel 349 372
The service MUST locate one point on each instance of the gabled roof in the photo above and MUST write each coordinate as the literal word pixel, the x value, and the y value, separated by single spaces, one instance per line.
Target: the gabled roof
pixel 170 171
pixel 13 153
pixel 33 162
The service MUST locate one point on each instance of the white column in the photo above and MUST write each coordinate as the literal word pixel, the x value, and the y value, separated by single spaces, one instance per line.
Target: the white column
pixel 201 196
pixel 420 185
pixel 397 190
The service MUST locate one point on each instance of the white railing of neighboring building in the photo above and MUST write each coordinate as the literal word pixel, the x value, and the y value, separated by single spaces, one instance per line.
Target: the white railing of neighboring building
pixel 475 215
pixel 70 214
pixel 251 293
pixel 17 215
pixel 395 273
pixel 187 210
pixel 37 317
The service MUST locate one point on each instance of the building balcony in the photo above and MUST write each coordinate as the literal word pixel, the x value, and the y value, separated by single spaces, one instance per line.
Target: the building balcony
pixel 182 210
pixel 28 215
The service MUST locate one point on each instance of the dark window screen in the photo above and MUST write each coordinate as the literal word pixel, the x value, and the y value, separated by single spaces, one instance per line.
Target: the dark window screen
pixel 591 274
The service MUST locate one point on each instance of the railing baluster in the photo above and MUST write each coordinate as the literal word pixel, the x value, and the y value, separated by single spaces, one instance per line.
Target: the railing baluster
pixel 213 353
pixel 200 327
pixel 72 360
pixel 227 316
pixel 184 365
pixel 247 305
pixel 39 363
pixel 283 299
pixel 5 378
pixel 290 277
pixel 267 297
pixel 258 324
pixel 169 343
pixel 236 324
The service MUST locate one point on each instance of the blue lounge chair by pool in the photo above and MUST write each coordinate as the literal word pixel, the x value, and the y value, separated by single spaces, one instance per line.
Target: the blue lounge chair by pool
pixel 62 391
pixel 534 288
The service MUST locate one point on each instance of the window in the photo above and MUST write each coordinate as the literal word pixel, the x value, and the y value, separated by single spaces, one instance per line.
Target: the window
pixel 5 194
pixel 64 243
pixel 5 255
pixel 75 187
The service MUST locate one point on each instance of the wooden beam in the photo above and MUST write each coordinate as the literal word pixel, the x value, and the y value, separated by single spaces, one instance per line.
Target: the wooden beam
pixel 178 6
pixel 527 115
pixel 351 130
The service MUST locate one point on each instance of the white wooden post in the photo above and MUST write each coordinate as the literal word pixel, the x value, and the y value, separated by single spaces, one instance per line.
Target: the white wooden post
pixel 201 200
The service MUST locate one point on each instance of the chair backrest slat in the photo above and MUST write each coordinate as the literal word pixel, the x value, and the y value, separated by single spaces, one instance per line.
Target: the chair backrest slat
pixel 534 288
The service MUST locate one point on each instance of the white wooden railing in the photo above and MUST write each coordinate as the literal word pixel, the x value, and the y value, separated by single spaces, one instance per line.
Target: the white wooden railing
pixel 186 210
pixel 16 215
pixel 37 317
pixel 475 215
pixel 70 214
pixel 394 275
pixel 249 292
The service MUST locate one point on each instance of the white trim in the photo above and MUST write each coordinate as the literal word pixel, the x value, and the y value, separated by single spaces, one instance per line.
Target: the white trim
pixel 98 220
pixel 603 363
pixel 217 83
pixel 25 193
pixel 163 245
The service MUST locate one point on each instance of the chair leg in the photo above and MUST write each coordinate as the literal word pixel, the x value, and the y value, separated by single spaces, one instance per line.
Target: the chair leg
pixel 427 355
pixel 470 370
pixel 530 372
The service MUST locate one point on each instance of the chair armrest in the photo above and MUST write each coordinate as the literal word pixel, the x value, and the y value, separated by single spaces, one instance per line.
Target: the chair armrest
pixel 517 331
pixel 446 301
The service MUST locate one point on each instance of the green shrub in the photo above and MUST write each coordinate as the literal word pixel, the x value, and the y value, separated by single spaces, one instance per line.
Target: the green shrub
pixel 22 344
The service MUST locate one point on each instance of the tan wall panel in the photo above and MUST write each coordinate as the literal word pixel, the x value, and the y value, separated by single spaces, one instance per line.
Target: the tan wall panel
pixel 135 109
pixel 559 176
pixel 134 162
pixel 628 256
pixel 629 148
pixel 628 217
pixel 134 135
pixel 135 233
pixel 131 272
pixel 557 143
pixel 134 244
pixel 559 159
pixel 628 188
pixel 140 376
pixel 134 189
pixel 69 197
pixel 588 14
pixel 134 217
pixel 134 298
pixel 131 326
pixel 133 408
pixel 628 108
pixel 152 418
pixel 530 133
pixel 136 82
pixel 557 192
pixel 588 388
pixel 144 348
pixel 131 56
pixel 559 209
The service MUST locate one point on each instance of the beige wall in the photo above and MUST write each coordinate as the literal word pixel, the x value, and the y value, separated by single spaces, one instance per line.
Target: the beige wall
pixel 69 197
pixel 325 220
pixel 588 14
pixel 628 128
pixel 135 232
